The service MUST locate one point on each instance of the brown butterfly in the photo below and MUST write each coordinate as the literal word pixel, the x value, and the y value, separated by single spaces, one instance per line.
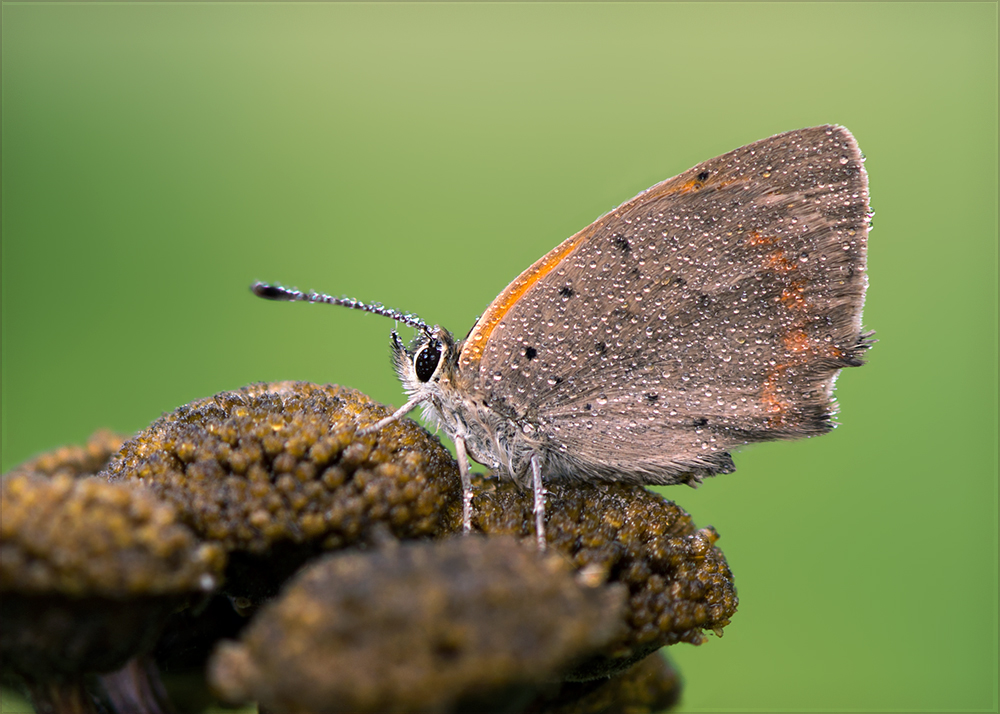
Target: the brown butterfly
pixel 712 310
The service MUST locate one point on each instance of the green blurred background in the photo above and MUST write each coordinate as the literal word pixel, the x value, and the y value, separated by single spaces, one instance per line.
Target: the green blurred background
pixel 158 158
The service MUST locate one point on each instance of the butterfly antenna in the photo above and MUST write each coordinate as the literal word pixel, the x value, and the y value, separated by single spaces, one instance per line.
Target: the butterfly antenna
pixel 277 292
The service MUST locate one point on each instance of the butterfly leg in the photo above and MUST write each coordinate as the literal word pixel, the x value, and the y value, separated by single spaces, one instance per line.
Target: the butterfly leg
pixel 463 469
pixel 539 489
pixel 395 416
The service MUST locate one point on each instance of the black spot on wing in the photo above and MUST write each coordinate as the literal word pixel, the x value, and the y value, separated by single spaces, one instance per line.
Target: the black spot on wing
pixel 621 243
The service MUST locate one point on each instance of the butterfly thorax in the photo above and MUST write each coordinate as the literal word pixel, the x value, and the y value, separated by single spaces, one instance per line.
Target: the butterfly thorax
pixel 452 400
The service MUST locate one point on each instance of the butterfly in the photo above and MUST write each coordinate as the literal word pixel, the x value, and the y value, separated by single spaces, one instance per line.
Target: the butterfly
pixel 712 310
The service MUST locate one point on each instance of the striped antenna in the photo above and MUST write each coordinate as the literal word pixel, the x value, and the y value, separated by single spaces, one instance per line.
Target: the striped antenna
pixel 277 292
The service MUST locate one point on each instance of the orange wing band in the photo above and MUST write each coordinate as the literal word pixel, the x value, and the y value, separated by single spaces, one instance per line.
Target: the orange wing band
pixel 475 343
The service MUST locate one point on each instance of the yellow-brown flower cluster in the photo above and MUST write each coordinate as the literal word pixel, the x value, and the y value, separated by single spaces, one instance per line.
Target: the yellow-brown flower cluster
pixel 340 559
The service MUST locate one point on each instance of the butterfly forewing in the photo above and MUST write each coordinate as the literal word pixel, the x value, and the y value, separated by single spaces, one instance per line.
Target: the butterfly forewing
pixel 712 310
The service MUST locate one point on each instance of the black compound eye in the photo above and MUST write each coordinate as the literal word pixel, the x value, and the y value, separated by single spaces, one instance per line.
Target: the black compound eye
pixel 426 361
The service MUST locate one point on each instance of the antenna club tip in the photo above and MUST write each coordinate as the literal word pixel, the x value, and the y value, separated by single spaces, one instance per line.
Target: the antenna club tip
pixel 269 292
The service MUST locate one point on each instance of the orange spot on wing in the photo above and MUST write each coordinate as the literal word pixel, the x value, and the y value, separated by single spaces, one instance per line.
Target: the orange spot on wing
pixel 756 238
pixel 780 262
pixel 687 187
pixel 770 396
pixel 695 184
pixel 800 350
pixel 794 295
pixel 797 342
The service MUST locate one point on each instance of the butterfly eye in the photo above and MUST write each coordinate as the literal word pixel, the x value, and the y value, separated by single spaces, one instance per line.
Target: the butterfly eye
pixel 425 363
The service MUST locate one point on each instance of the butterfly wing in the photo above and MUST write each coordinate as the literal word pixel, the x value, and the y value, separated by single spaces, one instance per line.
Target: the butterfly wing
pixel 712 310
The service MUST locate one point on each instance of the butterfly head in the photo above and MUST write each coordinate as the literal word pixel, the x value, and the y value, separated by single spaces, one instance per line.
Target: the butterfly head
pixel 428 364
